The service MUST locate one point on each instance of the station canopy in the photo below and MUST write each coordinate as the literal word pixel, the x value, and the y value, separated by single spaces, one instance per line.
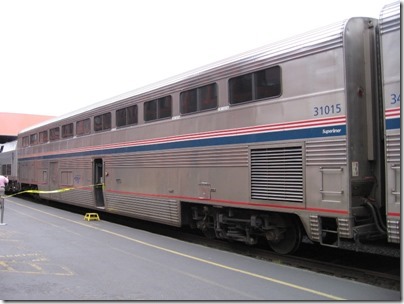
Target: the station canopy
pixel 12 123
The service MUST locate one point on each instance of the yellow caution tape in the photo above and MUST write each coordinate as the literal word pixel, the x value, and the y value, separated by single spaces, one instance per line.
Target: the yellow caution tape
pixel 51 191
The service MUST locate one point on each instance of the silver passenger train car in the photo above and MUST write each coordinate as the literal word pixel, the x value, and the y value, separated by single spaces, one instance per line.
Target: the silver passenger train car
pixel 276 143
pixel 9 165
pixel 390 33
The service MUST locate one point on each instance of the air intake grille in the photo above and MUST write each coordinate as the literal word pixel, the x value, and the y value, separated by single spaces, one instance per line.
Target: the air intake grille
pixel 277 174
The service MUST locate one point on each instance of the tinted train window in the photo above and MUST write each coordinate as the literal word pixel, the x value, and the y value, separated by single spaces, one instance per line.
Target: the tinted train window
pixel 25 141
pixel 83 127
pixel 241 89
pixel 6 169
pixel 158 109
pixel 54 134
pixel 164 108
pixel 207 97
pixel 126 116
pixel 102 122
pixel 33 139
pixel 268 83
pixel 67 130
pixel 262 84
pixel 199 99
pixel 43 137
pixel 189 101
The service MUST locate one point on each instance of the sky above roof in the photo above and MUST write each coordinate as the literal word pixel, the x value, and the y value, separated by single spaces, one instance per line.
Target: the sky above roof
pixel 59 56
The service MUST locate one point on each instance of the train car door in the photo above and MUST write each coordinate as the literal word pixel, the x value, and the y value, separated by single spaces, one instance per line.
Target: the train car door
pixel 98 183
pixel 54 179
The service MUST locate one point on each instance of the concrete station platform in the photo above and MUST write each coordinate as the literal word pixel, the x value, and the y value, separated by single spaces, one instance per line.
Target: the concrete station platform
pixel 52 254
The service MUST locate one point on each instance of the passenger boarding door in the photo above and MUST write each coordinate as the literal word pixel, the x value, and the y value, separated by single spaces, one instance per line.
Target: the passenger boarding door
pixel 99 183
pixel 54 180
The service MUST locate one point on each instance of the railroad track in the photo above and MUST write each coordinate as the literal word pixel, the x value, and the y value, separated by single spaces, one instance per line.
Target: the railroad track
pixel 387 277
pixel 373 269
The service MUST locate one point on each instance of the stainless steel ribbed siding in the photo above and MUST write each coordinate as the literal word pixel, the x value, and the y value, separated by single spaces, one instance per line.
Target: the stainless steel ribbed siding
pixel 390 41
pixel 390 18
pixel 161 210
pixel 76 168
pixel 222 157
pixel 8 157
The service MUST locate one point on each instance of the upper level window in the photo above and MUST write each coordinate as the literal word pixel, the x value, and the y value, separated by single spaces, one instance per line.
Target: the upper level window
pixel 262 84
pixel 33 139
pixel 43 137
pixel 102 122
pixel 67 130
pixel 158 108
pixel 83 127
pixel 126 116
pixel 199 99
pixel 25 141
pixel 54 133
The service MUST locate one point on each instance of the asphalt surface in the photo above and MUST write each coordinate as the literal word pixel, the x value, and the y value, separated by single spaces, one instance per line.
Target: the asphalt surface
pixel 53 254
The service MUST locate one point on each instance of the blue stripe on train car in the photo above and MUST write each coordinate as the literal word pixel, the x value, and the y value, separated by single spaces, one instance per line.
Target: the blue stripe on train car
pixel 393 123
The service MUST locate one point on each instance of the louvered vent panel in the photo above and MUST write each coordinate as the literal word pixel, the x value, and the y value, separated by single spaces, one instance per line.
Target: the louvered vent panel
pixel 277 174
pixel 326 152
pixel 393 148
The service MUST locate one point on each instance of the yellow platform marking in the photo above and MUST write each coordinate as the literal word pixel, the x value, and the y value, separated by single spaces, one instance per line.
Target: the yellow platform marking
pixel 31 264
pixel 91 217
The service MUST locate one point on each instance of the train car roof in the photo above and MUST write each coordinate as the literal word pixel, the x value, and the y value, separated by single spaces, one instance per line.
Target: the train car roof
pixel 8 146
pixel 323 38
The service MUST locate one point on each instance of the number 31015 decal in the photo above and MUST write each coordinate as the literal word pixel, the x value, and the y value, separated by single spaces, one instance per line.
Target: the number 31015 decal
pixel 327 110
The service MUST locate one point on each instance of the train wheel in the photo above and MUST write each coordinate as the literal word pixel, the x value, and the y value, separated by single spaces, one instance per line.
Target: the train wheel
pixel 288 237
pixel 209 233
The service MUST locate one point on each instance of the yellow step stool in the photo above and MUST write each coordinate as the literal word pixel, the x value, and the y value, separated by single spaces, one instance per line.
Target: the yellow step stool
pixel 91 217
